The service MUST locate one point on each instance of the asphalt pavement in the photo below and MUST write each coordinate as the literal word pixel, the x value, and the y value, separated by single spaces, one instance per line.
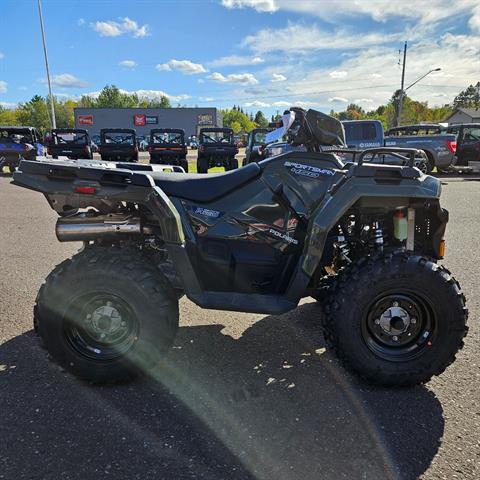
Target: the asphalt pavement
pixel 240 396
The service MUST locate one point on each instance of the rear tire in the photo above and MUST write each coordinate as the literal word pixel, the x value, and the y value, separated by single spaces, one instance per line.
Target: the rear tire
pixel 202 165
pixel 106 314
pixel 396 320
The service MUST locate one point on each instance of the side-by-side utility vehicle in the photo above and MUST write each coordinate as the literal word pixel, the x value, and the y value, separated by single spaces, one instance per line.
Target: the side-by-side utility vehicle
pixel 167 146
pixel 216 148
pixel 118 144
pixel 72 143
pixel 362 239
pixel 17 143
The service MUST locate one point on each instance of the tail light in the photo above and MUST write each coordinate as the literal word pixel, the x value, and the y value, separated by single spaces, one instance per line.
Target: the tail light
pixel 149 149
pixel 86 149
pixel 85 190
pixel 202 148
pixel 452 145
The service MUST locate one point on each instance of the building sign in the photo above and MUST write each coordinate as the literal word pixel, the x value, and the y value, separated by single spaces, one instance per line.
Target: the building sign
pixel 150 120
pixel 205 119
pixel 139 120
pixel 85 119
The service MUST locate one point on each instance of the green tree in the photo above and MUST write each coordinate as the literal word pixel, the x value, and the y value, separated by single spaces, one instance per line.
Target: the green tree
pixel 468 98
pixel 235 119
pixel 261 120
pixel 35 113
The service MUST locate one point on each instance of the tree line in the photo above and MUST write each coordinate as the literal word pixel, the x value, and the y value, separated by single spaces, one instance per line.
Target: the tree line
pixel 36 112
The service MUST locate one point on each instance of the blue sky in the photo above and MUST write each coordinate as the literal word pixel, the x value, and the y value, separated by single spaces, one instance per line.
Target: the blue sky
pixel 261 54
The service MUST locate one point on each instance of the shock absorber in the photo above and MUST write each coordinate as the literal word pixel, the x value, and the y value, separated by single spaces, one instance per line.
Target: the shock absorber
pixel 378 237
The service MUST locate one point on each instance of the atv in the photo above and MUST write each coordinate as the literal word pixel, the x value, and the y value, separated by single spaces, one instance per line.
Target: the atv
pixel 362 239
pixel 217 148
pixel 167 147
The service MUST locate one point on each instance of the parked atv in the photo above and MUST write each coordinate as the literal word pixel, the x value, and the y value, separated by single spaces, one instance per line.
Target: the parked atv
pixel 71 143
pixel 216 149
pixel 363 239
pixel 118 144
pixel 167 147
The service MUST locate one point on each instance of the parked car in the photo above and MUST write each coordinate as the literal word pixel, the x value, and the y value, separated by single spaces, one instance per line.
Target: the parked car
pixel 18 143
pixel 167 146
pixel 118 144
pixel 255 148
pixel 217 148
pixel 439 147
pixel 69 142
pixel 468 142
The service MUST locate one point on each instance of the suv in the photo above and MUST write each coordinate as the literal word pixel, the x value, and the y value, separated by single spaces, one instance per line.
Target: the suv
pixel 167 146
pixel 217 148
pixel 118 144
pixel 468 142
pixel 18 143
pixel 69 142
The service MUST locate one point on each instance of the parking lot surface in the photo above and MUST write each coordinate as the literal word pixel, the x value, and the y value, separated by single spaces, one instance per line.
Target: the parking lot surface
pixel 240 396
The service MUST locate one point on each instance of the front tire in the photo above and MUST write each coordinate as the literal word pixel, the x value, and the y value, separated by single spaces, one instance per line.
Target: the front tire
pixel 106 315
pixel 396 320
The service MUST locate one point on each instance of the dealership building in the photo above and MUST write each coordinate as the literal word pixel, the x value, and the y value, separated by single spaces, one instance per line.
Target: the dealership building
pixel 144 119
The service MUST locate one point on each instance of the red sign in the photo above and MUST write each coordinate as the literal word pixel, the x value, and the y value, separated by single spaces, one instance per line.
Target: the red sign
pixel 139 120
pixel 85 119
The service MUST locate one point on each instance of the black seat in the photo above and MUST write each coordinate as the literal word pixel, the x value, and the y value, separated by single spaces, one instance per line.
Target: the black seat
pixel 204 188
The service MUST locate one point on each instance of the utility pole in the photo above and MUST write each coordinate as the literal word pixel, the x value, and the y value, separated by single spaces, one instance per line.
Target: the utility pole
pixel 52 105
pixel 402 91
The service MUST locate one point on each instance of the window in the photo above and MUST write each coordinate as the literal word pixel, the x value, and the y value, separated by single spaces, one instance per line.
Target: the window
pixel 360 131
pixel 471 134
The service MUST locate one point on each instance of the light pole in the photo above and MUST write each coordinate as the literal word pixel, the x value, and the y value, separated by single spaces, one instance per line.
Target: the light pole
pixel 403 90
pixel 52 106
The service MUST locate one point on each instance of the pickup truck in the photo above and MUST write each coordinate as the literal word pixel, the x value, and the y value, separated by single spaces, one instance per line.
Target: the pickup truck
pixel 17 143
pixel 70 142
pixel 217 148
pixel 468 142
pixel 439 147
pixel 167 146
pixel 118 144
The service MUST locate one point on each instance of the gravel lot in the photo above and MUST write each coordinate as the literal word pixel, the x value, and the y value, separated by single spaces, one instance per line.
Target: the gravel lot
pixel 241 396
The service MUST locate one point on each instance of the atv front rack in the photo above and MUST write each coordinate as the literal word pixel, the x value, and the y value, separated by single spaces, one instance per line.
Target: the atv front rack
pixel 405 154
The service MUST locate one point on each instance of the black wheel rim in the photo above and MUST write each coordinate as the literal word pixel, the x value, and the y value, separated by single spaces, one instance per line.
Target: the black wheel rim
pixel 399 326
pixel 100 326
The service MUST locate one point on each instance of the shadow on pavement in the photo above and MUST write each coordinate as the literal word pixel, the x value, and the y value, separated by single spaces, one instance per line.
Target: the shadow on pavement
pixel 270 405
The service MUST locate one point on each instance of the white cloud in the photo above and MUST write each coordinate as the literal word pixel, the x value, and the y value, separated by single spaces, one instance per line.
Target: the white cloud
pixel 185 66
pixel 259 5
pixel 128 63
pixel 206 99
pixel 278 77
pixel 257 103
pixel 241 78
pixel 424 11
pixel 3 86
pixel 338 74
pixel 66 80
pixel 81 22
pixel 236 61
pixel 338 100
pixel 474 22
pixel 297 37
pixel 125 26
pixel 281 103
pixel 362 101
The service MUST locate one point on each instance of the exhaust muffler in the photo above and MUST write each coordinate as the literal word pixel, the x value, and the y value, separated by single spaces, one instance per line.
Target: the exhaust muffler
pixel 84 228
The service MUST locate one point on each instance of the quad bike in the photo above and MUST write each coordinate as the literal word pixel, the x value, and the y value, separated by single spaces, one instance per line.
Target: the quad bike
pixel 363 239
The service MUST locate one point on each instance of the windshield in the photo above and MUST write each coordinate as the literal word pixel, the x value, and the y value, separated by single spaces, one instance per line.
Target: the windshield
pixel 216 137
pixel 119 138
pixel 259 138
pixel 15 136
pixel 76 138
pixel 167 137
